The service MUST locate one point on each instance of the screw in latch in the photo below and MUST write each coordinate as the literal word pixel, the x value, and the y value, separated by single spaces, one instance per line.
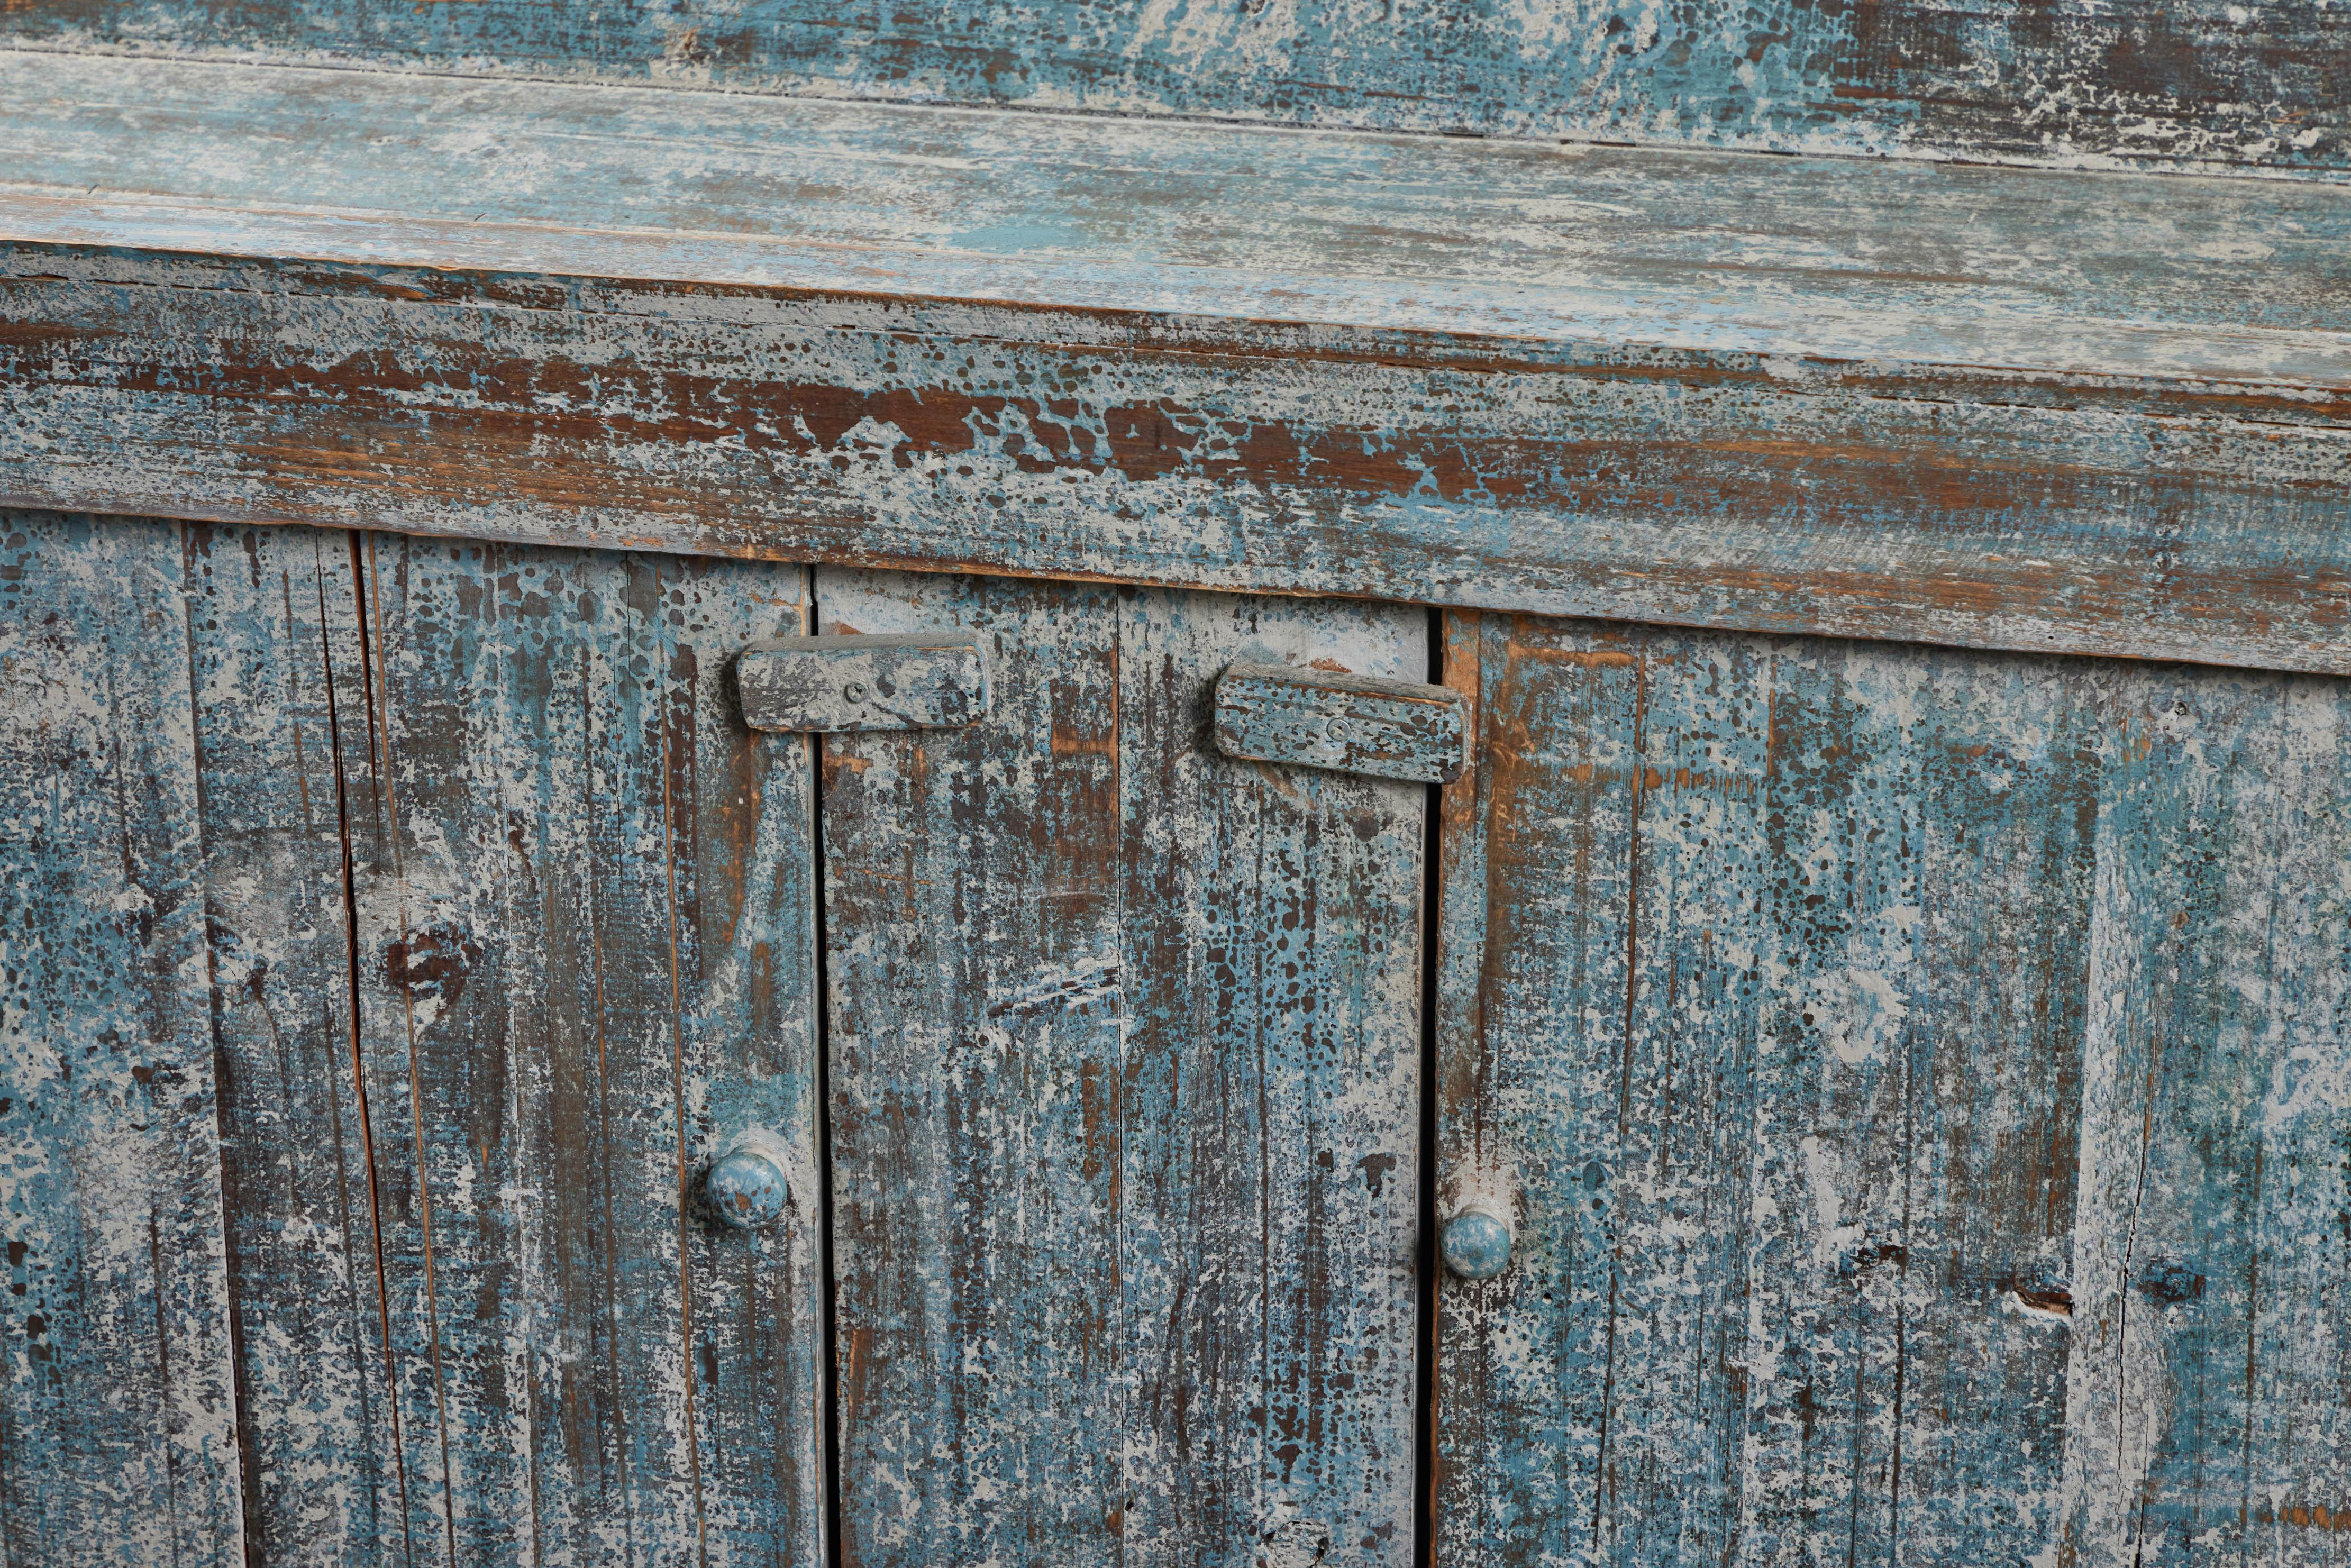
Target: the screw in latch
pixel 854 691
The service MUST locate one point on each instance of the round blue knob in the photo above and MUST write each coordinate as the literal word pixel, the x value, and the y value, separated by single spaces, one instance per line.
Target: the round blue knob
pixel 1475 1244
pixel 746 1186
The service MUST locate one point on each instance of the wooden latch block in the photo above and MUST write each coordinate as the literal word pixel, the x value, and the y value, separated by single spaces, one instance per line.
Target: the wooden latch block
pixel 1342 723
pixel 919 680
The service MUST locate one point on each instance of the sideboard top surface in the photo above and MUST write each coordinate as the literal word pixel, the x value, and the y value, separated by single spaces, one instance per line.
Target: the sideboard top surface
pixel 2061 411
pixel 2117 83
pixel 1920 264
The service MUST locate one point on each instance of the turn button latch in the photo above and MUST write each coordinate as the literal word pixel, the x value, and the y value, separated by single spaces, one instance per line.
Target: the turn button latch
pixel 850 680
pixel 1343 723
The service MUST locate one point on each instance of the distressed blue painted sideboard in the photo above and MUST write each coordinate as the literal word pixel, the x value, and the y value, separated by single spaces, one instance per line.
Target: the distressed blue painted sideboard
pixel 1174 784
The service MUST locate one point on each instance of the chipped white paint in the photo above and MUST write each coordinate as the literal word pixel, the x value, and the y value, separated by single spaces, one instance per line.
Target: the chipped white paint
pixel 1124 1072
pixel 1768 1215
pixel 1558 478
pixel 118 1411
pixel 1814 269
pixel 2217 1088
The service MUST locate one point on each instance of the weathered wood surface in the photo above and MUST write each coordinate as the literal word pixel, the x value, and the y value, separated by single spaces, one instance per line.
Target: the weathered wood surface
pixel 118 1399
pixel 1920 1077
pixel 2169 82
pixel 463 1294
pixel 1125 1070
pixel 903 681
pixel 279 688
pixel 2066 413
pixel 1764 971
pixel 2193 279
pixel 1926 1074
pixel 585 916
pixel 2062 513
pixel 2212 1285
pixel 1307 717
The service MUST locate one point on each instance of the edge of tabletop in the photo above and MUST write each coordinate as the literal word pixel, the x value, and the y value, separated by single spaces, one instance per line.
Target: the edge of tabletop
pixel 1913 266
pixel 1773 457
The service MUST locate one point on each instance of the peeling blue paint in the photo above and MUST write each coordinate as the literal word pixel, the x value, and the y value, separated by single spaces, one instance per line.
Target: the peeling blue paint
pixel 2178 82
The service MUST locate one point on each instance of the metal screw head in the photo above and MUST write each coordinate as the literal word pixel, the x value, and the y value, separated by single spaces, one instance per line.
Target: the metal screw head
pixel 746 1187
pixel 1476 1243
pixel 854 691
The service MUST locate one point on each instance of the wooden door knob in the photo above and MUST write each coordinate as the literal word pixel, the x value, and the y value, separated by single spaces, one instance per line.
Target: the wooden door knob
pixel 1477 1242
pixel 746 1186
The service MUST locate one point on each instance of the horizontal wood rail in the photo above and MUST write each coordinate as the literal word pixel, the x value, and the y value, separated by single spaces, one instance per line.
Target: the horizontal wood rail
pixel 2076 413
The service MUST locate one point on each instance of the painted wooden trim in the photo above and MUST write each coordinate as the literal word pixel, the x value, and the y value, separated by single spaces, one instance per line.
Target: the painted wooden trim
pixel 2067 413
pixel 2050 513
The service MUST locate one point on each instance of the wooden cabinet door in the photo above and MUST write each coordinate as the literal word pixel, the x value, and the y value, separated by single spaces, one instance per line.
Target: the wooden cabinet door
pixel 118 1400
pixel 584 954
pixel 1916 1084
pixel 1919 1083
pixel 1124 1055
pixel 393 928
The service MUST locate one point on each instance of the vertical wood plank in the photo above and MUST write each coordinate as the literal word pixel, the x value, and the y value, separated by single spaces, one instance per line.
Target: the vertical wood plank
pixel 584 957
pixel 116 1388
pixel 1125 1073
pixel 450 1202
pixel 1272 1093
pixel 281 735
pixel 2211 1386
pixel 759 1334
pixel 1762 987
pixel 972 888
pixel 1930 835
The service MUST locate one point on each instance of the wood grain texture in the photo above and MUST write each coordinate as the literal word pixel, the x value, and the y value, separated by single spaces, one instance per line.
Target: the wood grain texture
pixel 118 1400
pixel 2213 1292
pixel 1921 1078
pixel 277 662
pixel 1903 265
pixel 585 916
pixel 915 681
pixel 2061 514
pixel 1352 723
pixel 1762 1001
pixel 2067 413
pixel 1125 1075
pixel 2169 82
